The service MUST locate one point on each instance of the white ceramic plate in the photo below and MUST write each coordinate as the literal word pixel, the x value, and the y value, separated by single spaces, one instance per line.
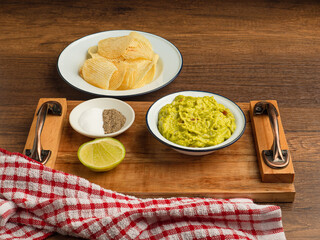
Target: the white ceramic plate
pixel 152 122
pixel 101 103
pixel 73 56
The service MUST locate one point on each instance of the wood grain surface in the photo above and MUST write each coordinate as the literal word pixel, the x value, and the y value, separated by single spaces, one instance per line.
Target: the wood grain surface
pixel 244 50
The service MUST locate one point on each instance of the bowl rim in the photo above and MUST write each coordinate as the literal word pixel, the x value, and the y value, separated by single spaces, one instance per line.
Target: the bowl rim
pixel 110 99
pixel 183 148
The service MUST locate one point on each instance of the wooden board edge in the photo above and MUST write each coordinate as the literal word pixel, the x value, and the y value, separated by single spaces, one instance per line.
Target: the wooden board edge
pixel 276 178
pixel 258 197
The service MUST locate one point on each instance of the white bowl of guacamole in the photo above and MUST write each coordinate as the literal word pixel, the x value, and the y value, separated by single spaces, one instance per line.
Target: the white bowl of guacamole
pixel 196 122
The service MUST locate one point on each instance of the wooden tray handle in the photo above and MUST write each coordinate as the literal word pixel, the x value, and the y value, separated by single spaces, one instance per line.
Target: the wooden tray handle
pixel 266 139
pixel 49 127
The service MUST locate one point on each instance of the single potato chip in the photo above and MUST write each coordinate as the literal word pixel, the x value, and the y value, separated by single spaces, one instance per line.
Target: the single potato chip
pixel 93 51
pixel 127 80
pixel 113 47
pixel 139 47
pixel 147 75
pixel 98 72
pixel 132 46
pixel 118 76
pixel 134 72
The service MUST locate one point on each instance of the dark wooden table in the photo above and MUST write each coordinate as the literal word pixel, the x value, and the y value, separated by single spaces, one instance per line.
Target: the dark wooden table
pixel 244 50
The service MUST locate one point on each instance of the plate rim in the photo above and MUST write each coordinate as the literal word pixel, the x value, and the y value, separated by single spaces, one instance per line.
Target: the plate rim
pixel 122 95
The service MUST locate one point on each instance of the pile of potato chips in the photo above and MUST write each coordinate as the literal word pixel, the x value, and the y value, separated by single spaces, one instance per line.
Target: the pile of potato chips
pixel 120 63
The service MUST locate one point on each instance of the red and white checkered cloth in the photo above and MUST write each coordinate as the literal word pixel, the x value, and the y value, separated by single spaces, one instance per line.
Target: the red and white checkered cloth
pixel 36 201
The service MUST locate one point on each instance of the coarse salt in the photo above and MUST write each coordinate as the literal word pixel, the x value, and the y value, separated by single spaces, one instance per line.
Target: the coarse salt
pixel 91 121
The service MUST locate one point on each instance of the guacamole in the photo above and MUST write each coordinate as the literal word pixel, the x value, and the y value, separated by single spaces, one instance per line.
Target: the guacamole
pixel 196 121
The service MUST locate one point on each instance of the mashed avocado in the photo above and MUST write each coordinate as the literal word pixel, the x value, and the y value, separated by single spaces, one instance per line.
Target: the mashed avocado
pixel 196 121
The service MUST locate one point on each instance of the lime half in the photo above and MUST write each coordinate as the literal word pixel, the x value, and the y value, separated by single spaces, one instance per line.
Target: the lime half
pixel 102 154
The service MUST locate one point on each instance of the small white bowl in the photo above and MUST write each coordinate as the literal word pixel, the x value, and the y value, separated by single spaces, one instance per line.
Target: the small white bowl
pixel 152 122
pixel 101 103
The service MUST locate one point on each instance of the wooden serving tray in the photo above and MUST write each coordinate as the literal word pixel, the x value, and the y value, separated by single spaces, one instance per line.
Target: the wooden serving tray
pixel 151 169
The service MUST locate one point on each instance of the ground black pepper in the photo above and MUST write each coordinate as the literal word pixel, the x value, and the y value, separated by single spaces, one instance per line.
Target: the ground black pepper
pixel 113 120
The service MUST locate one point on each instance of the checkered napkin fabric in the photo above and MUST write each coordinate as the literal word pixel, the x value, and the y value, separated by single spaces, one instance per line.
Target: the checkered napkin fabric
pixel 36 201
